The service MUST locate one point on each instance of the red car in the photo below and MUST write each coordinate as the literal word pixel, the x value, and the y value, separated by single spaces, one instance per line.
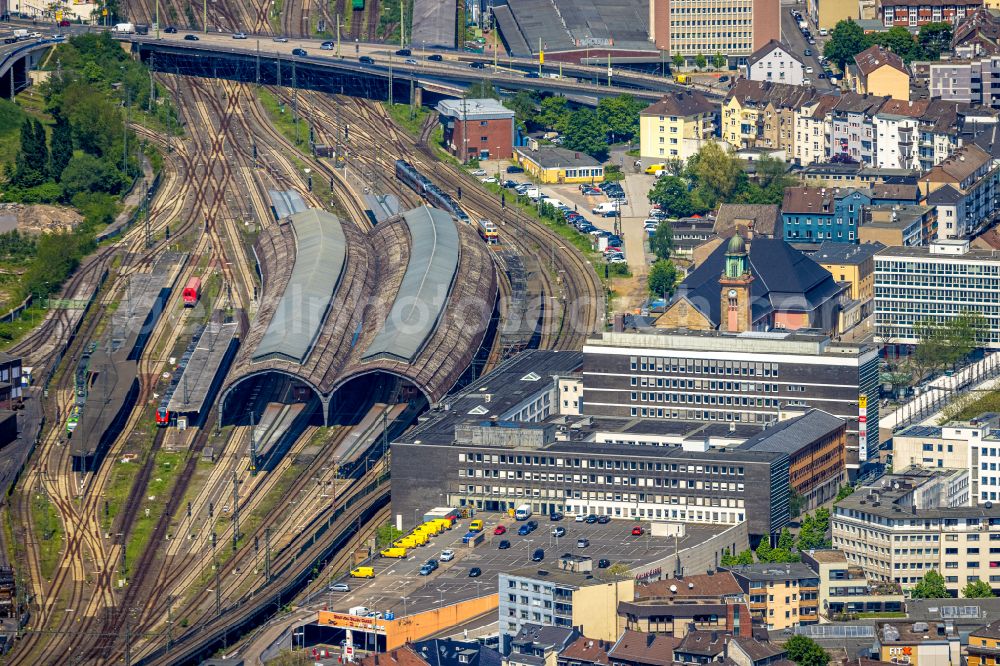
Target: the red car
pixel 637 531
pixel 500 530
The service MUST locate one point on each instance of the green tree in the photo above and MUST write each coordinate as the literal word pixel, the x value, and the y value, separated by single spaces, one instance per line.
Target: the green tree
pixel 554 114
pixel 86 173
pixel 62 146
pixel 812 533
pixel 846 41
pixel 978 589
pixel 845 491
pixel 672 194
pixel 898 40
pixel 717 172
pixel 745 558
pixel 965 333
pixel 585 134
pixel 700 61
pixel 804 651
pixel 719 61
pixel 785 540
pixel 662 278
pixel 934 38
pixel 482 90
pixel 727 559
pixel 32 159
pixel 620 116
pixel 662 241
pixel 795 502
pixel 525 106
pixel 930 587
pixel 678 60
pixel 764 550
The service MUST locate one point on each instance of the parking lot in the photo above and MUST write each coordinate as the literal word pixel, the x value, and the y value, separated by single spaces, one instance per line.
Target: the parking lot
pixel 397 586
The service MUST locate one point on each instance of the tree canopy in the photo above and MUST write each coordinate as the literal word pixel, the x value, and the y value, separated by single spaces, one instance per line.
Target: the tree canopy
pixel 662 278
pixel 931 586
pixel 812 534
pixel 804 651
pixel 978 589
pixel 662 240
pixel 847 39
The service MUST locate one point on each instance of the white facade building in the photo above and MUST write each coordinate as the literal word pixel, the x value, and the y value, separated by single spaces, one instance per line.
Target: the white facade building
pixel 775 62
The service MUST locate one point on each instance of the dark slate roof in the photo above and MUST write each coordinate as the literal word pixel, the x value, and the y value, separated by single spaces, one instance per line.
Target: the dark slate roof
pixel 878 56
pixel 944 195
pixel 707 643
pixel 544 636
pixel 767 48
pixel 989 140
pixel 446 652
pixel 643 648
pixel 757 650
pixel 684 103
pixel 792 435
pixel 991 630
pixel 764 219
pixel 764 571
pixel 784 276
pixel 830 252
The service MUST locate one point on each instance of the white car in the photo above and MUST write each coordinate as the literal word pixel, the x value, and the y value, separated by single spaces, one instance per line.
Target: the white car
pixel 822 32
pixel 489 179
pixel 809 70
pixel 447 555
pixel 580 518
pixel 340 587
pixel 479 172
pixel 617 259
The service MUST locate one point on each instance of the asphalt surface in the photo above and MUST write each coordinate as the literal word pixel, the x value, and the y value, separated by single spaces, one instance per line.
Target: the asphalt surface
pixel 792 35
pixel 399 588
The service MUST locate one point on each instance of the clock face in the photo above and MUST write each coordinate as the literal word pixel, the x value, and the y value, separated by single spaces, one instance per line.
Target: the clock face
pixel 732 293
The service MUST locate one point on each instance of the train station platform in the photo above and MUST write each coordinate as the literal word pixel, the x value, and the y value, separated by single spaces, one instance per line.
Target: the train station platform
pixel 203 373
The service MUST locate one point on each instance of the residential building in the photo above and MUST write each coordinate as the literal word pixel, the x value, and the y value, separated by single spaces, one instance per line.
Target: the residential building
pixel 676 127
pixel 534 644
pixel 899 226
pixel 915 13
pixel 751 25
pixel 585 652
pixel 852 174
pixel 781 595
pixel 692 232
pixel 828 13
pixel 766 286
pixel 984 645
pixel 816 446
pixel 812 129
pixel 820 214
pixel 977 35
pixel 940 131
pixel 674 606
pixel 701 647
pixel 638 649
pixel 750 652
pixel 935 284
pixel 585 598
pixel 477 128
pixel 775 62
pixel 852 127
pixel 909 523
pixel 550 164
pixel 972 446
pixel 854 264
pixel 844 589
pixel 761 114
pixel 919 643
pixel 450 652
pixel 971 174
pixel 896 130
pixel 693 375
pixel 748 220
pixel 895 194
pixel 879 71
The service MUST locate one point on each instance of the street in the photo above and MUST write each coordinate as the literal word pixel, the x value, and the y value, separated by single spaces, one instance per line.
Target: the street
pixel 793 37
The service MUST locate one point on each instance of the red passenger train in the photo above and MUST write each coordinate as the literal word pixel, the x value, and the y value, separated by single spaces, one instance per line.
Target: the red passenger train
pixel 192 292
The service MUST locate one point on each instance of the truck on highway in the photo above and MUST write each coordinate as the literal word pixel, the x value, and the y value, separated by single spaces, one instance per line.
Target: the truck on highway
pixel 124 28
pixel 21 33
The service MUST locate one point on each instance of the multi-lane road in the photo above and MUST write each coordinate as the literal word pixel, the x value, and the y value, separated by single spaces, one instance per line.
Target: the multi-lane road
pixel 796 41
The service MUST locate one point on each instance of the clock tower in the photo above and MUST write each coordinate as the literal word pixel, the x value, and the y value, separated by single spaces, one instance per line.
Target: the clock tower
pixel 734 311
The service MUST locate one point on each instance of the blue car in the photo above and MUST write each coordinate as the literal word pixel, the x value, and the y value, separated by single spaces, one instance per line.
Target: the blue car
pixel 523 530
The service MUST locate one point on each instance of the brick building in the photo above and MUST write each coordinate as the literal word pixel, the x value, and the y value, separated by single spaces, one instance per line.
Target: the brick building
pixel 911 13
pixel 477 128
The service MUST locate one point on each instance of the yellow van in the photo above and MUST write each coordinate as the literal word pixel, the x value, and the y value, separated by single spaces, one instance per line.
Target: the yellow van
pixel 653 168
pixel 363 572
pixel 418 538
pixel 443 523
pixel 394 552
pixel 681 78
pixel 476 526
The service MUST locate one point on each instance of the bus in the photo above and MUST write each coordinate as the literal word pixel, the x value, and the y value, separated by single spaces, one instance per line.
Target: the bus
pixel 488 231
pixel 192 292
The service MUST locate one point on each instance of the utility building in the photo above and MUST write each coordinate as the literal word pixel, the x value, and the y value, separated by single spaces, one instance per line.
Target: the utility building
pixel 477 128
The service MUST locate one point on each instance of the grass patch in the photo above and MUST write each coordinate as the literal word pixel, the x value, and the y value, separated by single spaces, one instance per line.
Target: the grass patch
pixel 48 532
pixel 166 468
pixel 410 119
pixel 862 616
pixel 12 332
pixel 11 117
pixel 970 406
pixel 116 491
pixel 281 117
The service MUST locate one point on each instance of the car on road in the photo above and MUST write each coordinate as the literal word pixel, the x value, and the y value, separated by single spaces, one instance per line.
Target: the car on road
pixel 436 57
pixel 280 39
pixel 299 52
pixel 475 572
pixel 603 563
pixel 822 32
pixel 558 531
pixel 326 46
pixel 603 520
pixel 822 75
pixel 239 35
pixel 477 65
pixel 514 169
pixel 538 555
pixel 723 79
pixel 503 545
pixel 170 30
pixel 500 529
pixel 340 587
pixel 808 52
pixel 638 531
pixel 404 52
pixel 531 75
pixel 447 555
pixel 191 38
pixel 582 543
pixel 409 61
pixel 809 70
pixel 64 23
pixel 366 60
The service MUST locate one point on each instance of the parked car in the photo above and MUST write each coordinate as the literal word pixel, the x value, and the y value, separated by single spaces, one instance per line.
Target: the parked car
pixel 559 531
pixel 500 529
pixel 523 530
pixel 447 555
pixel 479 172
pixel 339 587
pixel 603 563
pixel 591 519
pixel 425 571
pixel 579 518
pixel 475 572
pixel 513 168
pixel 433 564
pixel 532 525
pixel 503 545
pixel 603 520
pixel 538 555
pixel 555 515
pixel 638 531
pixel 617 259
pixel 582 543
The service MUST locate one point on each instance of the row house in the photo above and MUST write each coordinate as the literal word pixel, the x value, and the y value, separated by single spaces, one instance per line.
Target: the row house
pixel 817 214
pixel 963 187
pixel 812 129
pixel 896 131
pixel 939 127
pixel 977 35
pixel 915 13
pixel 762 114
pixel 852 129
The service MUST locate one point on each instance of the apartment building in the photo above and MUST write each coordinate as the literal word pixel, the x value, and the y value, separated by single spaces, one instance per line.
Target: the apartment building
pixel 780 595
pixel 852 127
pixel 971 174
pixel 854 264
pixel 812 129
pixel 899 226
pixel 844 589
pixel 972 446
pixel 676 127
pixel 761 114
pixel 735 28
pixel 896 130
pixel 879 71
pixel 775 62
pixel 984 645
pixel 935 283
pixel 750 377
pixel 915 13
pixel 673 606
pixel 914 522
pixel 977 35
pixel 828 13
pixel 820 214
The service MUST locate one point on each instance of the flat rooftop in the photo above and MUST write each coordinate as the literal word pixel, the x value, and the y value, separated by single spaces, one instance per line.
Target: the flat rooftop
pixel 924 252
pixel 399 578
pixel 202 368
pixel 757 342
pixel 575 25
